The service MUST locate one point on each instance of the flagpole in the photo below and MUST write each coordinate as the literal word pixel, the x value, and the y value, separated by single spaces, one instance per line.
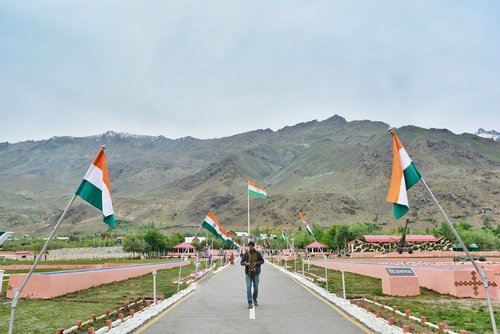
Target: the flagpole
pixel 18 291
pixel 482 273
pixel 182 254
pixel 248 202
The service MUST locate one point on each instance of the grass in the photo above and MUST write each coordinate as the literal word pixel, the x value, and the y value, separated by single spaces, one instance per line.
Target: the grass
pixel 45 316
pixel 456 313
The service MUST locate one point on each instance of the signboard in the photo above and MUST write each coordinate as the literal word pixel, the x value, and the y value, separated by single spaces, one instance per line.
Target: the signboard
pixel 405 271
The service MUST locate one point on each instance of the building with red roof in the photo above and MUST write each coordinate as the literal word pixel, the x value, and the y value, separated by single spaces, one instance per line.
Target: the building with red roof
pixel 316 248
pixel 182 249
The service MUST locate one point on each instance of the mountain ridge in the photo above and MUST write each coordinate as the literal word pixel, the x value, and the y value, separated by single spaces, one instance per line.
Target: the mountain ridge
pixel 336 170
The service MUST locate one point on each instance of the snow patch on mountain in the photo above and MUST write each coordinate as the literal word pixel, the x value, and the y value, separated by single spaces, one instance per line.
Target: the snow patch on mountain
pixel 495 135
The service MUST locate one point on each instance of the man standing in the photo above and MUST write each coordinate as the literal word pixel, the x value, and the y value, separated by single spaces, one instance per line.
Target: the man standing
pixel 252 260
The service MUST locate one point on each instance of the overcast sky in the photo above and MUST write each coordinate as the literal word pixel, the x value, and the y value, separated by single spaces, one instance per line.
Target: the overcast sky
pixel 216 68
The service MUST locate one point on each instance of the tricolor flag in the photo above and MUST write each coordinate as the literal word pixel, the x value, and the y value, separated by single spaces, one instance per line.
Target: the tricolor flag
pixel 306 224
pixel 256 191
pixel 404 176
pixel 283 235
pixel 95 188
pixel 229 239
pixel 211 223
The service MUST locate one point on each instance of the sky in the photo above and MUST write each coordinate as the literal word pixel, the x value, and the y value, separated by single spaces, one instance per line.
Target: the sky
pixel 211 69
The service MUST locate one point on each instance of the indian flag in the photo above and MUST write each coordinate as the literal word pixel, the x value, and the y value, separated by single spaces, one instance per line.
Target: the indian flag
pixel 211 223
pixel 227 237
pixel 404 176
pixel 256 191
pixel 95 188
pixel 305 223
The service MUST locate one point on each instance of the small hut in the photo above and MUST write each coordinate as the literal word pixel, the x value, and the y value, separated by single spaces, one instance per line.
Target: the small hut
pixel 316 248
pixel 184 249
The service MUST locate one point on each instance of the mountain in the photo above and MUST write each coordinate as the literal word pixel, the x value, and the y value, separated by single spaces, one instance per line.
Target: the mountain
pixel 333 170
pixel 495 135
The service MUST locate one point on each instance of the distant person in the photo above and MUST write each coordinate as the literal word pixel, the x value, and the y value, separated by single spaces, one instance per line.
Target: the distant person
pixel 231 258
pixel 252 260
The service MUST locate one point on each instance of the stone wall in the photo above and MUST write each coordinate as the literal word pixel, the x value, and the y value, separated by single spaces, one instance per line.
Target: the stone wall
pixel 88 253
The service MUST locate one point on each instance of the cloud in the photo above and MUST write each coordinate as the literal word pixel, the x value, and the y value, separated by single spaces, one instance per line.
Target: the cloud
pixel 211 69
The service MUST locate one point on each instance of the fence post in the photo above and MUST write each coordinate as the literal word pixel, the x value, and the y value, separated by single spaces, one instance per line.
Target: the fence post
pixel 1 281
pixel 326 275
pixel 343 284
pixel 154 287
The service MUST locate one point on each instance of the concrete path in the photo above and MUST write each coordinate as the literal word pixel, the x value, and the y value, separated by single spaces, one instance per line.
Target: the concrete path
pixel 219 305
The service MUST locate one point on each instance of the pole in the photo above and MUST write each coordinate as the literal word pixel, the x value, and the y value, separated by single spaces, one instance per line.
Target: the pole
pixel 295 263
pixel 482 273
pixel 180 266
pixel 343 284
pixel 154 287
pixel 326 274
pixel 248 206
pixel 303 269
pixel 18 291
pixel 180 270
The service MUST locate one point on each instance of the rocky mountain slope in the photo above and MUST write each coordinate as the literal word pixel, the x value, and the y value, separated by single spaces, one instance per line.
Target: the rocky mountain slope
pixel 334 171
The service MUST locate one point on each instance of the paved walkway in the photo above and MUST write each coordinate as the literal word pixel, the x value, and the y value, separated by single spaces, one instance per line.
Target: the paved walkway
pixel 219 305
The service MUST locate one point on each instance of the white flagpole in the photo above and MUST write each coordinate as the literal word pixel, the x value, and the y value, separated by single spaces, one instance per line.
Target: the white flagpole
pixel 482 273
pixel 17 291
pixel 248 197
pixel 182 254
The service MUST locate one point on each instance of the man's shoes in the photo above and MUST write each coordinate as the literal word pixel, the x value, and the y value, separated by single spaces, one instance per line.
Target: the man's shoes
pixel 255 303
pixel 250 305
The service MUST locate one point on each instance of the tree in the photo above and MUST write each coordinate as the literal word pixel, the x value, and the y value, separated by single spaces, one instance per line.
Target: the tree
pixel 156 240
pixel 464 226
pixel 173 240
pixel 487 224
pixel 343 237
pixel 135 243
pixel 302 239
pixel 330 236
pixel 318 232
pixel 357 230
pixel 443 230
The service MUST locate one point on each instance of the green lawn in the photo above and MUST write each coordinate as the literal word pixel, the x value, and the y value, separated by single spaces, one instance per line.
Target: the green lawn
pixel 45 316
pixel 456 313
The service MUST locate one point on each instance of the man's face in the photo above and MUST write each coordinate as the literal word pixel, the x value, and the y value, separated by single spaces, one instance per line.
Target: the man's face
pixel 251 247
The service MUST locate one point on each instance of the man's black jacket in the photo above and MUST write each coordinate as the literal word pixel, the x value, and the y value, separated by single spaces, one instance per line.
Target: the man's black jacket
pixel 258 263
